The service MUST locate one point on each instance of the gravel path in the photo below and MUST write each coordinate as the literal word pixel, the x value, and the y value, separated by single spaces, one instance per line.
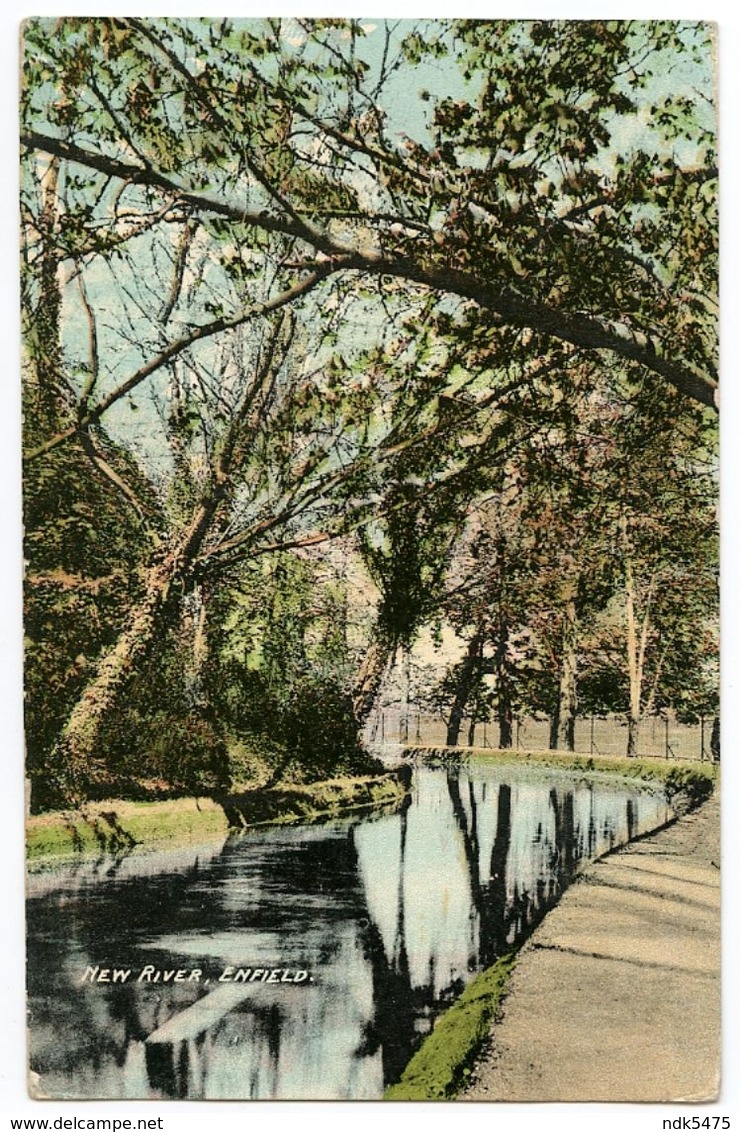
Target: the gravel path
pixel 616 996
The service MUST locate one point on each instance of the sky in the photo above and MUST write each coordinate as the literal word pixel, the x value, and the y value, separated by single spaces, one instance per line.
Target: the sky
pixel 181 1117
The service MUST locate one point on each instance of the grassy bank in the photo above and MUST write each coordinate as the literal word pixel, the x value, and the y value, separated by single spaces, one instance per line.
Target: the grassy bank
pixel 318 799
pixel 440 1068
pixel 117 826
pixel 688 783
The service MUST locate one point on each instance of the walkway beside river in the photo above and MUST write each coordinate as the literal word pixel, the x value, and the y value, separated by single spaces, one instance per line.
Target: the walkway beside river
pixel 616 996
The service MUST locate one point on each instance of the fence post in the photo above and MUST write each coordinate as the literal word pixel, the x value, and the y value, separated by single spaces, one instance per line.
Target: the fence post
pixel 701 721
pixel 591 748
pixel 667 745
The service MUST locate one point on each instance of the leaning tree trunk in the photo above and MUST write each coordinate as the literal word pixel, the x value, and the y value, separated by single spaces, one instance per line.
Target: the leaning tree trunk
pixel 370 677
pixel 195 614
pixel 76 760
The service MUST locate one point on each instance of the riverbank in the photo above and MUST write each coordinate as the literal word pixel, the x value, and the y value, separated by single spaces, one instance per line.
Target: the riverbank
pixel 686 784
pixel 616 996
pixel 118 826
pixel 598 1003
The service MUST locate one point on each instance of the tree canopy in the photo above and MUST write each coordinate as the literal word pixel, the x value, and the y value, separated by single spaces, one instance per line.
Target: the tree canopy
pixel 517 195
pixel 287 281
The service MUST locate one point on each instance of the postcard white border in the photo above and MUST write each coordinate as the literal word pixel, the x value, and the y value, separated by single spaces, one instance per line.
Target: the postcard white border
pixel 192 1116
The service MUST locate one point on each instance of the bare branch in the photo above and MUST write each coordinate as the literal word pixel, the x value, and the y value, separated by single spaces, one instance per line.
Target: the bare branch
pixel 167 355
pixel 109 473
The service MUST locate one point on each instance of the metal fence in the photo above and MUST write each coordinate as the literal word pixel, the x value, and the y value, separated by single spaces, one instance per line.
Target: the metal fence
pixel 659 736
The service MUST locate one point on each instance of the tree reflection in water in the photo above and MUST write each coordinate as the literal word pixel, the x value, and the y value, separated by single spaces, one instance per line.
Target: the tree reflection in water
pixel 390 914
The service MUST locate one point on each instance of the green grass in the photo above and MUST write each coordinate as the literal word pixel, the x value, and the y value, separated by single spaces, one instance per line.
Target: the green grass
pixel 312 800
pixel 117 826
pixel 441 1067
pixel 694 780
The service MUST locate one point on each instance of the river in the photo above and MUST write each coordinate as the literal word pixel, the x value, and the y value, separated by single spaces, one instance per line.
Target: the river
pixel 142 971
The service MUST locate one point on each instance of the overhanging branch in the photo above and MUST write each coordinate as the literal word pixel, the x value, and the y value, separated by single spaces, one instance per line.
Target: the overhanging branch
pixel 579 329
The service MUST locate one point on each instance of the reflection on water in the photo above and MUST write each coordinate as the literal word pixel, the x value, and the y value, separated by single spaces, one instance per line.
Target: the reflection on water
pixel 388 916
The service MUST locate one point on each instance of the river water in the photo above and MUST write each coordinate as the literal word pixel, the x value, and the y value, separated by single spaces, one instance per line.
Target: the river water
pixel 366 927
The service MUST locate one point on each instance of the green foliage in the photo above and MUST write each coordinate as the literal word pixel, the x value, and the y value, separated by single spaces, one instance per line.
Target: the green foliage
pixel 563 179
pixel 83 551
pixel 278 671
pixel 319 731
pixel 160 737
pixel 172 752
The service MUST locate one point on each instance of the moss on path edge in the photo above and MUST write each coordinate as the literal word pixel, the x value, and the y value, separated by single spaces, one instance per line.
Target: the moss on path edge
pixel 440 1068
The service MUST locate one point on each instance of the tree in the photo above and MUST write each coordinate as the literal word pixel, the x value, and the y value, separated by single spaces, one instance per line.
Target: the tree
pixel 601 528
pixel 278 672
pixel 487 604
pixel 241 222
pixel 661 522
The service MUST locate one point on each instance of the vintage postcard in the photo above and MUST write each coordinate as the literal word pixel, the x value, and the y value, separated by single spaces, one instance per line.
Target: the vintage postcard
pixel 371 594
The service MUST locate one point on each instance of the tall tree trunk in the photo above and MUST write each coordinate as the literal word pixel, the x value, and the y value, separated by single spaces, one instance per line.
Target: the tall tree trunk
pixel 504 709
pixel 195 619
pixel 469 670
pixel 633 734
pixel 714 744
pixel 555 724
pixel 505 716
pixel 563 722
pixel 42 334
pixel 403 723
pixel 633 715
pixel 637 640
